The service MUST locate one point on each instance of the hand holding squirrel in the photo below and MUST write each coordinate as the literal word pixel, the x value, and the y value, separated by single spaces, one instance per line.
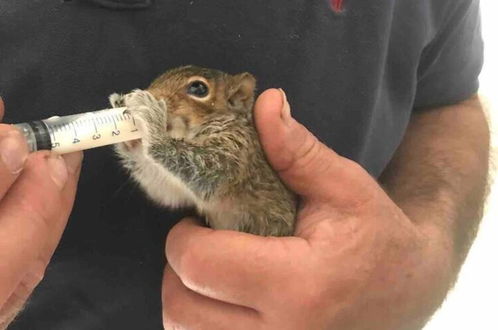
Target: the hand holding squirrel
pixel 356 261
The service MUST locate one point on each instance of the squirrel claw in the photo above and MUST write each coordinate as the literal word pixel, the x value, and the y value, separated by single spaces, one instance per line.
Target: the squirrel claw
pixel 116 100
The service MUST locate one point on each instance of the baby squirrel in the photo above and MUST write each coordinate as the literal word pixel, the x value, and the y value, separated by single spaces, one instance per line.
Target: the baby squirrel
pixel 200 148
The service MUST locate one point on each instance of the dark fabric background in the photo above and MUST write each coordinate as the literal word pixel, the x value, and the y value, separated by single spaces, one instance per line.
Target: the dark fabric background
pixel 352 78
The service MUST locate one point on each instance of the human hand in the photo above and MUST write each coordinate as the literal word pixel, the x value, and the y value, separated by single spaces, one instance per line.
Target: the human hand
pixel 36 196
pixel 356 261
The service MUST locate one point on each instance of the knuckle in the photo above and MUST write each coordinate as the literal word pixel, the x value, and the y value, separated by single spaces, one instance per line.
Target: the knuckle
pixel 186 256
pixel 5 126
pixel 183 255
pixel 30 282
pixel 304 155
pixel 354 168
pixel 9 129
pixel 308 151
pixel 14 132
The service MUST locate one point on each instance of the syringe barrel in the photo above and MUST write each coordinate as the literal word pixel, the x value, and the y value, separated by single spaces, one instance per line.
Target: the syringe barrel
pixel 80 131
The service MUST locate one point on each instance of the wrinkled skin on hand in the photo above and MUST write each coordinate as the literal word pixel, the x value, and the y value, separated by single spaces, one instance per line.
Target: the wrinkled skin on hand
pixel 356 261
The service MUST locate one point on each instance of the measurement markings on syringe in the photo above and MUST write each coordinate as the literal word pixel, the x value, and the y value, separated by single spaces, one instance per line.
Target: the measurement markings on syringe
pixel 57 128
pixel 127 116
pixel 97 135
pixel 52 134
pixel 76 132
pixel 75 124
pixel 116 131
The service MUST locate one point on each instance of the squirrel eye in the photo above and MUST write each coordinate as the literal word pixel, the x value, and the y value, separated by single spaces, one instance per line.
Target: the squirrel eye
pixel 197 88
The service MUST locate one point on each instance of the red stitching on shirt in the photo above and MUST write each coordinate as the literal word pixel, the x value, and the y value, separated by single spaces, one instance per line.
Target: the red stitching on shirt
pixel 336 5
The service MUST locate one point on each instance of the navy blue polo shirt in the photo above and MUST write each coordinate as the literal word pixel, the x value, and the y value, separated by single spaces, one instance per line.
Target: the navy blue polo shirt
pixel 354 72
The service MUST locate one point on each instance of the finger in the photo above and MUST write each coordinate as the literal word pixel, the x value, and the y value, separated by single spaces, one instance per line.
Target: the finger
pixel 186 309
pixel 73 163
pixel 13 154
pixel 231 266
pixel 306 165
pixel 18 298
pixel 34 213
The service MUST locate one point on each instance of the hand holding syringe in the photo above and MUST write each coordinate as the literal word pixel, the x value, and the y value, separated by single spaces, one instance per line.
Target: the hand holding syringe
pixel 80 131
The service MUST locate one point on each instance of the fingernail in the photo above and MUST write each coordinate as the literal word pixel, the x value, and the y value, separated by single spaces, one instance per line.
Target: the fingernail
pixel 58 170
pixel 286 112
pixel 73 161
pixel 13 151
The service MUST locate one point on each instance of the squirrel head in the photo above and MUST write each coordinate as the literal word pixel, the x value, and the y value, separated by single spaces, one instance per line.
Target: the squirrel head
pixel 196 95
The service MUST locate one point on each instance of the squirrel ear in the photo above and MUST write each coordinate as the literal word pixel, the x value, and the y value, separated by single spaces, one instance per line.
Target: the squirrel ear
pixel 241 92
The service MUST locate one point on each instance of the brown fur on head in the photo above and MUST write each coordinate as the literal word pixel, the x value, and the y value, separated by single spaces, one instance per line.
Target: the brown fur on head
pixel 225 94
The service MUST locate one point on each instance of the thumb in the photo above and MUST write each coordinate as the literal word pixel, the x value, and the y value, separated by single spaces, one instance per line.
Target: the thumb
pixel 305 165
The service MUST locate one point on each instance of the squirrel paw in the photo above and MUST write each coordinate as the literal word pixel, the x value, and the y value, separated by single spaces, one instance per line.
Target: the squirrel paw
pixel 150 114
pixel 116 100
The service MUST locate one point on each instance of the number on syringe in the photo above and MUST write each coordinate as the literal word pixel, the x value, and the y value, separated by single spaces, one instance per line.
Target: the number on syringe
pixel 126 115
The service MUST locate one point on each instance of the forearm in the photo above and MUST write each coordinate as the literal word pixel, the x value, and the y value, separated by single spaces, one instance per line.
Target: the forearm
pixel 439 173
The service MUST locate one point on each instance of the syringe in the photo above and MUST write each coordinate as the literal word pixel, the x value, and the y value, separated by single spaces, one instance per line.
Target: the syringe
pixel 80 131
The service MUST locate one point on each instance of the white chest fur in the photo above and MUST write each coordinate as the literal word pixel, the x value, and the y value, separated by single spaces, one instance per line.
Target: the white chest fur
pixel 162 186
